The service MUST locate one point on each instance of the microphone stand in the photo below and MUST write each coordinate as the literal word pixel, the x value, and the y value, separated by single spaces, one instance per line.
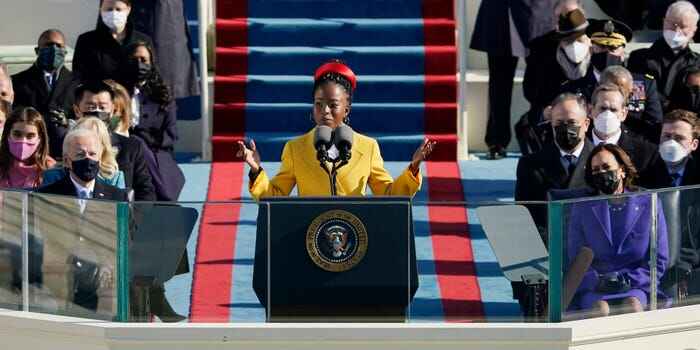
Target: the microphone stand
pixel 322 156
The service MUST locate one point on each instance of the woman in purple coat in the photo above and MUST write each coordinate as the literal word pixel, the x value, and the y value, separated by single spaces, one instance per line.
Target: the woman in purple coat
pixel 618 230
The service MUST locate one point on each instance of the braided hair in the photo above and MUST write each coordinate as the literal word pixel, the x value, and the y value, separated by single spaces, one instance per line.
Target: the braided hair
pixel 333 77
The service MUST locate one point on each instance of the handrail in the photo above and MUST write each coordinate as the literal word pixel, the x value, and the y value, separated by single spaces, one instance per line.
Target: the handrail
pixel 205 12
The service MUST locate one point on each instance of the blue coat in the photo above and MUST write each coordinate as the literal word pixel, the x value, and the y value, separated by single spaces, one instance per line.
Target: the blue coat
pixel 590 225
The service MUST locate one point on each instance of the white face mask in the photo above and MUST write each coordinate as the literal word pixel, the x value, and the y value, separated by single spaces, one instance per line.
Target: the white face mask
pixel 577 51
pixel 115 20
pixel 607 123
pixel 676 40
pixel 671 151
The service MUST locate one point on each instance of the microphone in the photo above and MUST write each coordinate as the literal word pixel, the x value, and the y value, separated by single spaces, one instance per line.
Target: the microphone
pixel 342 138
pixel 322 141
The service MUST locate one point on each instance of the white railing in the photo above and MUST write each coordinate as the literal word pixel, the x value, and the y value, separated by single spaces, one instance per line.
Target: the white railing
pixel 206 18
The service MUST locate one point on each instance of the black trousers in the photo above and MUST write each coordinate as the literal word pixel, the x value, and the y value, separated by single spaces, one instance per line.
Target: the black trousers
pixel 501 75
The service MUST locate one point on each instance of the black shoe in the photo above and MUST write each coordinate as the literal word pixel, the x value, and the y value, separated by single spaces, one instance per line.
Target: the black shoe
pixel 161 307
pixel 496 152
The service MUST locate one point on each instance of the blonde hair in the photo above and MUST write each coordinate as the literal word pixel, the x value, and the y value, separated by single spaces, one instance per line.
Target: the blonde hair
pixel 108 161
pixel 122 106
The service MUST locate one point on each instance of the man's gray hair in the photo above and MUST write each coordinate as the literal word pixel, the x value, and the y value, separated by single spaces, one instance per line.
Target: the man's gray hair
pixel 76 133
pixel 614 74
pixel 568 96
pixel 683 8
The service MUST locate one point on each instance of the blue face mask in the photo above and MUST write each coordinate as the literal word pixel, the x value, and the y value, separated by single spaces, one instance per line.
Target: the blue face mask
pixel 51 58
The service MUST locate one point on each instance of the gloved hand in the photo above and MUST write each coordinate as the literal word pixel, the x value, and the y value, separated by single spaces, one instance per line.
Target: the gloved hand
pixel 613 282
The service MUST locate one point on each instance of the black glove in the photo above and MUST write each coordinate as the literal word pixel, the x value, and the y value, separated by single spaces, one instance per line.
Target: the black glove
pixel 613 282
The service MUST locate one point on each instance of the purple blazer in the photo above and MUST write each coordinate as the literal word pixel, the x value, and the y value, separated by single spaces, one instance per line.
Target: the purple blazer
pixel 590 225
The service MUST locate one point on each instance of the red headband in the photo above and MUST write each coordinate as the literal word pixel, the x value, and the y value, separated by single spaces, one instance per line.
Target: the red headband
pixel 337 67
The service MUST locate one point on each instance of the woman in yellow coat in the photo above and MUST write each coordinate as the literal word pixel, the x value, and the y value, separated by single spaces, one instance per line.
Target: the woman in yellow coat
pixel 334 83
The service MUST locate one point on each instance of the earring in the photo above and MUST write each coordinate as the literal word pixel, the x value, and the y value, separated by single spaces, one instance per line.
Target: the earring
pixel 346 120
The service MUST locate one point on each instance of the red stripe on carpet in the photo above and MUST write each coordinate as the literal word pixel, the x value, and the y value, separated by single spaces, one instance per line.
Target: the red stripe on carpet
pixel 213 266
pixel 452 248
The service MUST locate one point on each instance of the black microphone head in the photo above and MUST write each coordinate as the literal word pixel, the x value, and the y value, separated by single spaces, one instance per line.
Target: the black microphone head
pixel 342 137
pixel 323 136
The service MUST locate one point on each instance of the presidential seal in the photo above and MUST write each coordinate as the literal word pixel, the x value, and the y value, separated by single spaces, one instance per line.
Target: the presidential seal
pixel 336 241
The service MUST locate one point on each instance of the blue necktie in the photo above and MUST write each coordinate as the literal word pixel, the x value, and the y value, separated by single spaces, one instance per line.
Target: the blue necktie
pixel 571 159
pixel 676 179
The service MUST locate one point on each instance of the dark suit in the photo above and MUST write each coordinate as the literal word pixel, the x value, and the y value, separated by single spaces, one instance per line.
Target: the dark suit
pixel 91 224
pixel 662 179
pixel 540 172
pixel 492 34
pixel 158 129
pixel 131 161
pixel 31 90
pixel 665 66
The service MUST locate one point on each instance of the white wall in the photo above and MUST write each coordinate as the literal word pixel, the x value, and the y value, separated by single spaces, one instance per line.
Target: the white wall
pixel 21 21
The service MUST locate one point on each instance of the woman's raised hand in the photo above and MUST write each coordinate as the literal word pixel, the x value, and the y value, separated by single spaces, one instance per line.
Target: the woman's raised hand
pixel 249 153
pixel 422 152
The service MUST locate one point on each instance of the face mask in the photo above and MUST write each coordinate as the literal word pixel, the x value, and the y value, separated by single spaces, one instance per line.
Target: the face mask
pixel 114 20
pixel 114 122
pixel 139 71
pixel 101 115
pixel 676 40
pixel 602 60
pixel 51 58
pixel 672 151
pixel 567 136
pixel 607 123
pixel 576 51
pixel 606 182
pixel 85 169
pixel 22 150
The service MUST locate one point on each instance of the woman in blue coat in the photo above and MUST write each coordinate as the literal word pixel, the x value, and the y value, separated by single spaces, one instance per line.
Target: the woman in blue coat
pixel 618 230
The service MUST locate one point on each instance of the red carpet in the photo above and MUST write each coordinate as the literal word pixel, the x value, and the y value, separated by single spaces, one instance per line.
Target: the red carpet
pixel 212 276
pixel 452 249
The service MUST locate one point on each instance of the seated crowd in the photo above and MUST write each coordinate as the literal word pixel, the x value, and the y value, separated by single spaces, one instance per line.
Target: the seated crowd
pixel 607 125
pixel 105 130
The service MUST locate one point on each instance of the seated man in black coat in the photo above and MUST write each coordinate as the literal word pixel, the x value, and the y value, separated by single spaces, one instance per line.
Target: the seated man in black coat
pixel 48 87
pixel 81 149
pixel 608 112
pixel 560 164
pixel 680 136
pixel 97 99
pixel 670 54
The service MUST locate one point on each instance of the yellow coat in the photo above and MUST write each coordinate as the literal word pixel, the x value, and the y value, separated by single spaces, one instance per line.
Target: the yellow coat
pixel 301 168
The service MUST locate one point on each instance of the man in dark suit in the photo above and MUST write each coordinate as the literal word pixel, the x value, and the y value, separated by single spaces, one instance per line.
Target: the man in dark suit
pixel 90 273
pixel 680 136
pixel 503 30
pixel 608 112
pixel 679 140
pixel 670 54
pixel 96 99
pixel 48 87
pixel 559 165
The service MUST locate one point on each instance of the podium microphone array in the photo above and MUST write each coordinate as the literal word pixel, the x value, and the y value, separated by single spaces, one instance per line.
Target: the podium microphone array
pixel 324 140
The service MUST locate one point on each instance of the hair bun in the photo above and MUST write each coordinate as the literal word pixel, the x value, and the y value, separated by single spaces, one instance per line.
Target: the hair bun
pixel 339 68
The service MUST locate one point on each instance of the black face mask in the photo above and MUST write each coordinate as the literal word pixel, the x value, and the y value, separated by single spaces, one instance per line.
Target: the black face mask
pixel 85 169
pixel 51 58
pixel 567 136
pixel 606 182
pixel 101 115
pixel 688 98
pixel 602 60
pixel 139 71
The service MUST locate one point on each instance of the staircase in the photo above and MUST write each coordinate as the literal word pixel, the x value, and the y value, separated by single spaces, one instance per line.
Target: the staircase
pixel 403 52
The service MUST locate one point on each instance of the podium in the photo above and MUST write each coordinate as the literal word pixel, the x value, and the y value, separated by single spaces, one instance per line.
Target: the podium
pixel 335 259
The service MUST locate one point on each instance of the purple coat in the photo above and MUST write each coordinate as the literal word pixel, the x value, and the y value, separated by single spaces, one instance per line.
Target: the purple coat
pixel 590 225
